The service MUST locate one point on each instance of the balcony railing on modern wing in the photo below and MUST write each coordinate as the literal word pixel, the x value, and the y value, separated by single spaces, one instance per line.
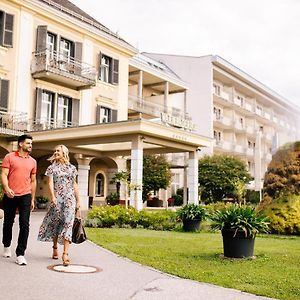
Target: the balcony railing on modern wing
pixel 64 69
pixel 12 123
pixel 143 106
pixel 46 124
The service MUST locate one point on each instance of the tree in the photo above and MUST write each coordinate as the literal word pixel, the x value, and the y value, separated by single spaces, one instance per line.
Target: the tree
pixel 156 174
pixel 222 176
pixel 283 173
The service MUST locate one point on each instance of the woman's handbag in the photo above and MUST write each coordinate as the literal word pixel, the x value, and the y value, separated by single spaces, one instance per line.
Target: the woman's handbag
pixel 78 234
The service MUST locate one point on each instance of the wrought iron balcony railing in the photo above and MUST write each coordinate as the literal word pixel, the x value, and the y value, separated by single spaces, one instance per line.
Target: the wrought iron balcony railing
pixel 46 124
pixel 54 63
pixel 12 123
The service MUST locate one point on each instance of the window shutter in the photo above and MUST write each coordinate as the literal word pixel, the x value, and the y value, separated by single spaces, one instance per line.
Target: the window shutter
pixel 78 58
pixel 100 57
pixel 115 71
pixel 41 38
pixel 114 115
pixel 7 30
pixel 98 110
pixel 4 91
pixel 2 13
pixel 38 105
pixel 75 112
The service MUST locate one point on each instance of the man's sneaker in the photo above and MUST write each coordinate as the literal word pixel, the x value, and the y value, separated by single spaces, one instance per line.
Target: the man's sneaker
pixel 7 252
pixel 21 260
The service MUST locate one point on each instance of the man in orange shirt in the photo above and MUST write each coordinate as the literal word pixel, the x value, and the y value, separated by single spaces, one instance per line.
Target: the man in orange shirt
pixel 19 185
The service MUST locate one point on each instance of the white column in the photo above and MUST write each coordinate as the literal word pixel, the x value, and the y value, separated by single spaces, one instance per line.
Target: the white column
pixel 185 179
pixel 193 177
pixel 140 86
pixel 136 199
pixel 83 180
pixel 166 96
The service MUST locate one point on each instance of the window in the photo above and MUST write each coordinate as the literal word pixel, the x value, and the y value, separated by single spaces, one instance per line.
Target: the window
pixel 241 100
pixel 55 110
pixel 259 110
pixel 217 135
pixel 241 121
pixel 217 112
pixel 99 185
pixel 6 29
pixel 251 145
pixel 217 89
pixel 105 67
pixel 47 109
pixel 63 106
pixel 4 90
pixel 108 69
pixel 175 183
pixel 66 50
pixel 51 44
pixel 105 114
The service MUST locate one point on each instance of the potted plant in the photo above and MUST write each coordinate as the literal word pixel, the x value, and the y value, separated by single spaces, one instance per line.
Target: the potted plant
pixel 41 202
pixel 191 216
pixel 239 226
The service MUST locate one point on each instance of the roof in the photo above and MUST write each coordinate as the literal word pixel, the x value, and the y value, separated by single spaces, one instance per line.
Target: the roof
pixel 71 9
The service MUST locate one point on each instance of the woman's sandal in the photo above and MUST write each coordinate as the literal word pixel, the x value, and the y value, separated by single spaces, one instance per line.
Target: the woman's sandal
pixel 54 254
pixel 65 259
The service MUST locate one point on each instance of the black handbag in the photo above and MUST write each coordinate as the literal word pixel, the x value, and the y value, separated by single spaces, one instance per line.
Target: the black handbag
pixel 78 234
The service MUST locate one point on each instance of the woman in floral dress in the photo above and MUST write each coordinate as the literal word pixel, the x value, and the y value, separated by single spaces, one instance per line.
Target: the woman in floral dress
pixel 58 222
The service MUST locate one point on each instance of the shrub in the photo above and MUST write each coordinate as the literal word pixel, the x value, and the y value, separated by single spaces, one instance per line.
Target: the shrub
pixel 252 196
pixel 119 216
pixel 213 207
pixel 284 214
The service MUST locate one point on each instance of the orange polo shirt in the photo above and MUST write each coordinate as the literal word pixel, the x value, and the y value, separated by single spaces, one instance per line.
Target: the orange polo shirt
pixel 20 171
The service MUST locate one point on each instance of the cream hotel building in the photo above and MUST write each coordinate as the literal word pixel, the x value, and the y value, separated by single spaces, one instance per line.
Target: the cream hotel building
pixel 67 79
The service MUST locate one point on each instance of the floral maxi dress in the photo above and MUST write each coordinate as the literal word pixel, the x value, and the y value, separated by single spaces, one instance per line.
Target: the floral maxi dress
pixel 59 218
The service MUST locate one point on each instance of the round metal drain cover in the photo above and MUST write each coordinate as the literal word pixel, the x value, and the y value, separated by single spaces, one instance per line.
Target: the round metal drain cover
pixel 79 269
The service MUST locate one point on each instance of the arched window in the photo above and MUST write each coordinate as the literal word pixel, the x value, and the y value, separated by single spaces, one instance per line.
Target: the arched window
pixel 99 187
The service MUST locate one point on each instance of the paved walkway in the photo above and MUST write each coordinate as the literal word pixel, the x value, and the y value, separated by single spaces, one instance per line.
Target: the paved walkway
pixel 120 279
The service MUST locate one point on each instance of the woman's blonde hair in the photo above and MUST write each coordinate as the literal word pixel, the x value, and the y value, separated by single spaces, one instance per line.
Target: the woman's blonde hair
pixel 65 152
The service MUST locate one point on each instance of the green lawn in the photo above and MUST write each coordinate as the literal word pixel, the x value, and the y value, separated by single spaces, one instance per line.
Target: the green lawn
pixel 274 273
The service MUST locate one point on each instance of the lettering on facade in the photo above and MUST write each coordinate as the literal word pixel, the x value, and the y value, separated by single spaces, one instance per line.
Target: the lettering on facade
pixel 179 137
pixel 177 121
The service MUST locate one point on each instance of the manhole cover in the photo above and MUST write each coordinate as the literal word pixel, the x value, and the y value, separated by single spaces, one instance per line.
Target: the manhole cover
pixel 79 269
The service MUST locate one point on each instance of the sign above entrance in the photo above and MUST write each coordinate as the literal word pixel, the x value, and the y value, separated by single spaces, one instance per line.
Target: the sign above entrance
pixel 177 122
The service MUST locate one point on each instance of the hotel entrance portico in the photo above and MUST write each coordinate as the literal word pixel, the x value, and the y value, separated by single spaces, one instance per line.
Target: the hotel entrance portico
pixel 114 141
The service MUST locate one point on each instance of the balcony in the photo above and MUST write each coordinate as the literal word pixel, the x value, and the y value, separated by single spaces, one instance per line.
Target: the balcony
pixel 140 105
pixel 223 145
pixel 46 124
pixel 12 123
pixel 239 127
pixel 222 121
pixel 55 67
pixel 222 98
pixel 250 151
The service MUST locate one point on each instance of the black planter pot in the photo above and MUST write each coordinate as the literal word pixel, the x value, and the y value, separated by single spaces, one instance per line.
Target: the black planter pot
pixel 237 246
pixel 191 225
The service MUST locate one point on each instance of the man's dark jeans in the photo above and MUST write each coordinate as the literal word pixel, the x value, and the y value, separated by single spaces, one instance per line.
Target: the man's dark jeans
pixel 10 205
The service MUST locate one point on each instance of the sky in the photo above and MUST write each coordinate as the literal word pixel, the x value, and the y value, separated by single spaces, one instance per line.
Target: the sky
pixel 260 37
